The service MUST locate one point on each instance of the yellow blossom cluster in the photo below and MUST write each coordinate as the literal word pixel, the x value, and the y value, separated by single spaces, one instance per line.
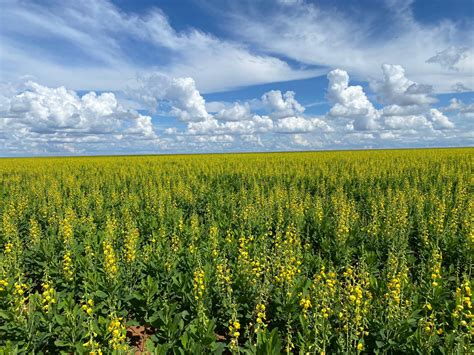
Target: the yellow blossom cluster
pixel 305 304
pixel 198 284
pixel 3 284
pixel 257 270
pixel 213 235
pixel 234 331
pixel 243 253
pixel 324 291
pixel 19 289
pixel 224 277
pixel 437 218
pixel 9 228
pixel 131 241
pixel 88 307
pixel 111 226
pixel 436 268
pixel 116 330
pixel 357 302
pixel 48 297
pixel 397 277
pixel 67 230
pixel 429 323
pixel 19 298
pixel 462 313
pixel 110 260
pixel 35 231
pixel 67 266
pixel 260 310
pixel 8 248
pixel 289 261
pixel 93 346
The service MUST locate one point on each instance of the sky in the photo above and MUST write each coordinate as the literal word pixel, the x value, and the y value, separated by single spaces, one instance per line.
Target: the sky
pixel 97 77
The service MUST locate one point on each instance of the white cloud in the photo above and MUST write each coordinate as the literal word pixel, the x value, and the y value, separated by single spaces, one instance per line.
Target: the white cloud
pixel 422 124
pixel 237 112
pixel 406 122
pixel 388 135
pixel 36 119
pixel 301 140
pixel 281 105
pixel 39 115
pixel 105 45
pixel 397 89
pixel 253 139
pixel 350 101
pixel 354 38
pixel 408 103
pixel 300 125
pixel 215 106
pixel 439 120
pixel 185 101
pixel 397 110
pixel 44 109
pixel 459 107
pixel 257 124
pixel 454 105
pixel 225 138
pixel 454 58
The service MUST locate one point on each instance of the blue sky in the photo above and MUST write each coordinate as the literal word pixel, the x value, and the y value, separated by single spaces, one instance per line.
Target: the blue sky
pixel 185 76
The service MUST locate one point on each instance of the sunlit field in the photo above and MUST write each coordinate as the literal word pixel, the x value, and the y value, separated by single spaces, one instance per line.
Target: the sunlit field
pixel 322 252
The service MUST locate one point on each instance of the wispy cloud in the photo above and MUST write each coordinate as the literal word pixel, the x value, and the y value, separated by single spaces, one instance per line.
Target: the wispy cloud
pixel 99 43
pixel 360 42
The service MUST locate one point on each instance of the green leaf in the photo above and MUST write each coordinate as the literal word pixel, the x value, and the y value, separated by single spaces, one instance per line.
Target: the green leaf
pixel 101 294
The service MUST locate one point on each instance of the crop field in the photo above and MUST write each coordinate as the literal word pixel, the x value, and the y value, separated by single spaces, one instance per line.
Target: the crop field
pixel 325 252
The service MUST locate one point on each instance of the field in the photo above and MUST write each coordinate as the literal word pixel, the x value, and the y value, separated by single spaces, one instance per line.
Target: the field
pixel 347 252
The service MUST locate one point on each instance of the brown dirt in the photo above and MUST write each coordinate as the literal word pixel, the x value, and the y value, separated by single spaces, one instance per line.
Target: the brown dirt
pixel 138 334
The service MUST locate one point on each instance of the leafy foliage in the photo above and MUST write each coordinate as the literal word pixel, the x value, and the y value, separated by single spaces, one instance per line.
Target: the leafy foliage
pixel 255 253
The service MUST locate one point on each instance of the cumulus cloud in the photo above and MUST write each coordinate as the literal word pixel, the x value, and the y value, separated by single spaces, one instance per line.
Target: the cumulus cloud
pixel 44 109
pixel 406 122
pixel 43 115
pixel 300 125
pixel 407 103
pixel 180 94
pixel 58 120
pixel 282 105
pixel 301 140
pixel 237 112
pixel 224 138
pixel 256 124
pixel 432 120
pixel 397 89
pixel 350 101
pixel 397 110
pixel 439 120
pixel 388 135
